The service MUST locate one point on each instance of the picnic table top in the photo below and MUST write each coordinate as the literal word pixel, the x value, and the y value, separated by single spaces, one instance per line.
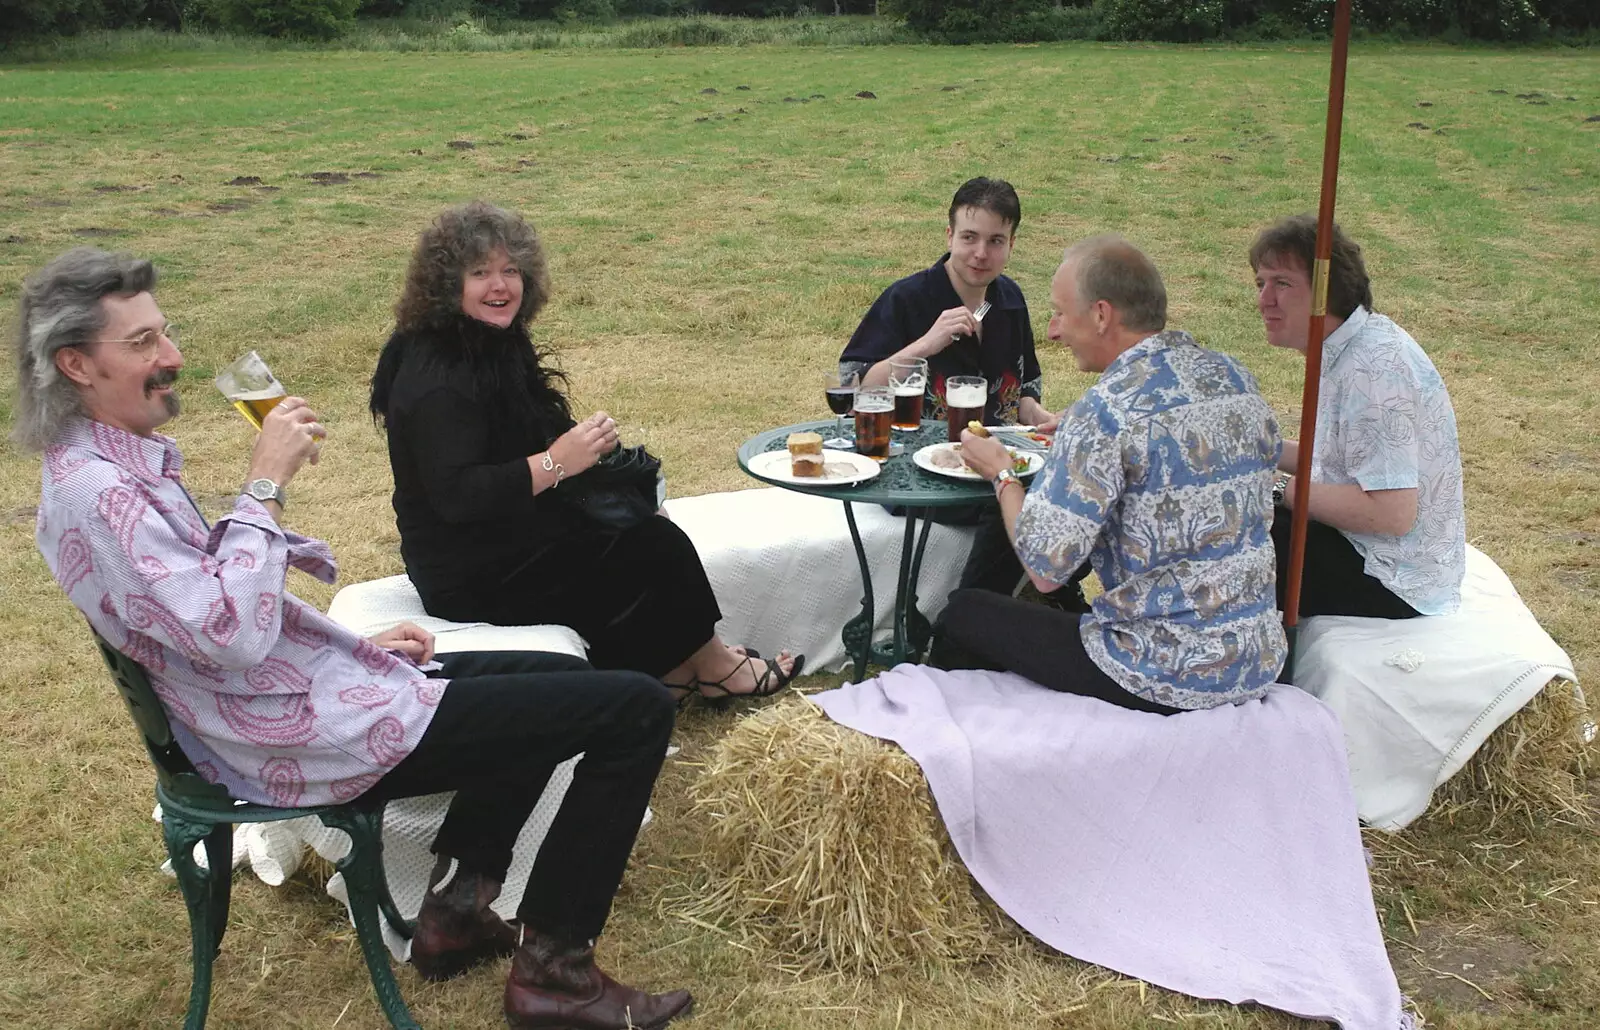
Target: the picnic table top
pixel 900 483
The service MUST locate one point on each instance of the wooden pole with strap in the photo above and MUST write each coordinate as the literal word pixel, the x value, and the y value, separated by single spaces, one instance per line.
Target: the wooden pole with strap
pixel 1319 311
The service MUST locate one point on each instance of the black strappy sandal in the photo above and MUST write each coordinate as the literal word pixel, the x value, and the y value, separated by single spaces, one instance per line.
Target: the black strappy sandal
pixel 772 680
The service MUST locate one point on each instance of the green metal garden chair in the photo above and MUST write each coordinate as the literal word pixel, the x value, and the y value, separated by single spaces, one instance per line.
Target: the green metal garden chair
pixel 193 810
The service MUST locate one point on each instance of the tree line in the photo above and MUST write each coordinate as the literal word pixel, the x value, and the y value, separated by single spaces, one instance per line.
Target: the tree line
pixel 943 21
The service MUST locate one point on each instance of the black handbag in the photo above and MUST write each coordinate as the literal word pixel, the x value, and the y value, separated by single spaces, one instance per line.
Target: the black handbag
pixel 618 492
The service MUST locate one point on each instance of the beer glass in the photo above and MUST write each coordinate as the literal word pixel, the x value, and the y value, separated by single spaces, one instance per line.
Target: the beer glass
pixel 964 401
pixel 252 387
pixel 841 389
pixel 874 411
pixel 909 381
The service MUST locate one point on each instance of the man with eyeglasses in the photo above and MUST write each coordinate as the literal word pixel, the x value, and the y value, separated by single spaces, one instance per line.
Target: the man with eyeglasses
pixel 283 706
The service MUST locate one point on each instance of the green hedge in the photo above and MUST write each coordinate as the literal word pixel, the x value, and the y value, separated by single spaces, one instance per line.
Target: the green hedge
pixel 944 21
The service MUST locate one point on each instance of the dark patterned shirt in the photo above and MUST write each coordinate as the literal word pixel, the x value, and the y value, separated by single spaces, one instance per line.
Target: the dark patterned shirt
pixel 1004 356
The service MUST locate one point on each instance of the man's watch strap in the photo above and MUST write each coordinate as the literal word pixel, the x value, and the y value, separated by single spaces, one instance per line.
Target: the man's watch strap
pixel 1003 477
pixel 265 490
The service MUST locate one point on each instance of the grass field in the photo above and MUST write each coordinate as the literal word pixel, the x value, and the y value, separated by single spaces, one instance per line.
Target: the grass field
pixel 711 251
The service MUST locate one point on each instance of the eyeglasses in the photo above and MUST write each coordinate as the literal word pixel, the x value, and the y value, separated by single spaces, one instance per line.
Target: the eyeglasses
pixel 147 341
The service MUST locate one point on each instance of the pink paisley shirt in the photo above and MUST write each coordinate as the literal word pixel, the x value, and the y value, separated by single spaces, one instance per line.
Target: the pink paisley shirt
pixel 267 696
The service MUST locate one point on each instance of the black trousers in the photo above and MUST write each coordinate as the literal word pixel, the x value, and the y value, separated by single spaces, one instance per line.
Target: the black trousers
pixel 506 720
pixel 992 563
pixel 984 630
pixel 1334 580
pixel 640 598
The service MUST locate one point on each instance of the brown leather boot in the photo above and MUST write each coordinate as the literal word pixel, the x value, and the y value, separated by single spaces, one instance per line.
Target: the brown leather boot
pixel 456 929
pixel 556 986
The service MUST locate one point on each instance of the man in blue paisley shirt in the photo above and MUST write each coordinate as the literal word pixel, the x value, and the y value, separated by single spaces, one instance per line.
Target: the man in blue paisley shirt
pixel 1160 478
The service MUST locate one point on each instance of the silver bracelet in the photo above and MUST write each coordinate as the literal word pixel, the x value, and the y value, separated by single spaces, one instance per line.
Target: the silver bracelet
pixel 549 464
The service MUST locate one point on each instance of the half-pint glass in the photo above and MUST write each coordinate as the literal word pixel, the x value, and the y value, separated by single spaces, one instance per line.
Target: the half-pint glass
pixel 252 387
pixel 874 411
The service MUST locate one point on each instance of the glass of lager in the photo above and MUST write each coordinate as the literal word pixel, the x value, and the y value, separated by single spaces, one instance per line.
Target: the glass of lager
pixel 964 400
pixel 252 387
pixel 909 381
pixel 874 410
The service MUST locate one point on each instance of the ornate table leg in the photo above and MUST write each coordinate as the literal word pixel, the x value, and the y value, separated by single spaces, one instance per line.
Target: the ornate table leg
pixel 904 590
pixel 857 633
pixel 918 631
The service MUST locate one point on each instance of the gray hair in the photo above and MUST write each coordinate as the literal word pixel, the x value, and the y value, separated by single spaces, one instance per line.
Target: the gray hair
pixel 1111 269
pixel 61 308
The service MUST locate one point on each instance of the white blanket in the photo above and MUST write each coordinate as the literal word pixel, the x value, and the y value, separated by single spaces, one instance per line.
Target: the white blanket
pixel 1417 697
pixel 1215 853
pixel 785 572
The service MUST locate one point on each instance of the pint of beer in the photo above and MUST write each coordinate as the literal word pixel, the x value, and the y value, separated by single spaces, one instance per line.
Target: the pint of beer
pixel 252 387
pixel 874 409
pixel 964 401
pixel 909 381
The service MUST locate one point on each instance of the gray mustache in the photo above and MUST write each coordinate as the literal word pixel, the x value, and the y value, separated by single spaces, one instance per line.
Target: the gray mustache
pixel 160 379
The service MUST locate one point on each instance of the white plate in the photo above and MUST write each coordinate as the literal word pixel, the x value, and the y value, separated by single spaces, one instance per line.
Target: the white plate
pixel 839 468
pixel 924 460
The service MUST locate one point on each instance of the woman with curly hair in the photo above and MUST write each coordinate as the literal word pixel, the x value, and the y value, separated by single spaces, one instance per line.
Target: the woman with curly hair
pixel 481 437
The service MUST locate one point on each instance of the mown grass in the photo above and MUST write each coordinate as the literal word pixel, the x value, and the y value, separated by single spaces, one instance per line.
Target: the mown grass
pixel 711 251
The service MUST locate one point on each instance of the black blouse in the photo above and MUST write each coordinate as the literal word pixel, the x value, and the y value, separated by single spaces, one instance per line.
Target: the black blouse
pixel 458 447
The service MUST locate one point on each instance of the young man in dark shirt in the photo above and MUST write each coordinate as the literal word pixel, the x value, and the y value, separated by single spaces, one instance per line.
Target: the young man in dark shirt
pixel 930 315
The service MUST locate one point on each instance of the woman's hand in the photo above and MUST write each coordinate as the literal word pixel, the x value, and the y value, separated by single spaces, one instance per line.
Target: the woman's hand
pixel 580 447
pixel 984 454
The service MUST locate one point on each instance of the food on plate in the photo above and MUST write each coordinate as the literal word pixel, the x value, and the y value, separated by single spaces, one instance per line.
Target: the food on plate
pixel 976 428
pixel 950 458
pixel 805 455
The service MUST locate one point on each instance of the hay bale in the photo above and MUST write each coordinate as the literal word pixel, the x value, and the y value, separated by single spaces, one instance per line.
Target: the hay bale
pixel 1533 766
pixel 823 846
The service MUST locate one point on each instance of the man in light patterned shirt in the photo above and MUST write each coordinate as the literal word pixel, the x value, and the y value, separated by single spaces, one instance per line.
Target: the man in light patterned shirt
pixel 1161 477
pixel 282 705
pixel 1386 534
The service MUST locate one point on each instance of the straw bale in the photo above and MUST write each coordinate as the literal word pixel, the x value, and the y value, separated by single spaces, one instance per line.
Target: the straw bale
pixel 1534 766
pixel 823 846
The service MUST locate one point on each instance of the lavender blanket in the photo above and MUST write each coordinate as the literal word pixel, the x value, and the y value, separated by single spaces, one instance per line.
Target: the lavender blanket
pixel 1215 853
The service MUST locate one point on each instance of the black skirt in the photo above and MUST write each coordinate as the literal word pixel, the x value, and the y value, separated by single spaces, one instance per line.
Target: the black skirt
pixel 641 599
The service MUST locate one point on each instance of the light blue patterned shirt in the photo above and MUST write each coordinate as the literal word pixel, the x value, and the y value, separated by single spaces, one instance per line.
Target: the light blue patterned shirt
pixel 1384 422
pixel 1161 475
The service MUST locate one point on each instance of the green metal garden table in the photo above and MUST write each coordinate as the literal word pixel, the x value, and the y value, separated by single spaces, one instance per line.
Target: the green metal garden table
pixel 903 484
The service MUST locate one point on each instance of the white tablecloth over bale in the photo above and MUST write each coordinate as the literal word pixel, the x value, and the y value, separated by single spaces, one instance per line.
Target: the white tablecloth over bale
pixel 1417 697
pixel 785 572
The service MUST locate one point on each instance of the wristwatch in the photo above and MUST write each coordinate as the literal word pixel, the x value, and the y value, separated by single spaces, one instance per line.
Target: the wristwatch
pixel 1003 477
pixel 265 490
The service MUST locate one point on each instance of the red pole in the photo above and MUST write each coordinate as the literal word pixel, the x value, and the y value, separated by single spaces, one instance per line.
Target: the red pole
pixel 1319 311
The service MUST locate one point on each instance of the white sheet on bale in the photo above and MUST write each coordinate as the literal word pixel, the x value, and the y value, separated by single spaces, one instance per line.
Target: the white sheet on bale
pixel 1418 697
pixel 785 572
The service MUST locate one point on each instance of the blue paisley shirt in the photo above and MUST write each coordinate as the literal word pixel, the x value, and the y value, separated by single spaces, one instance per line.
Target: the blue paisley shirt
pixel 1161 476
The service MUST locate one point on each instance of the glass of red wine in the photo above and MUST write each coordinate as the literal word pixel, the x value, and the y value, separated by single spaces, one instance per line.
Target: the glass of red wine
pixel 841 389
